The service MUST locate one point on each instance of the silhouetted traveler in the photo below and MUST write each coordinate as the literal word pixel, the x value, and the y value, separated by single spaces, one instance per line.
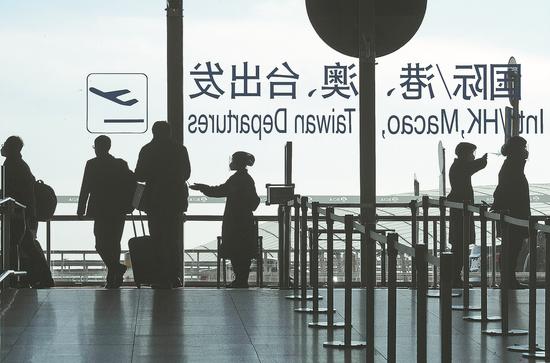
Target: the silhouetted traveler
pixel 19 185
pixel 164 167
pixel 460 176
pixel 105 186
pixel 512 196
pixel 239 240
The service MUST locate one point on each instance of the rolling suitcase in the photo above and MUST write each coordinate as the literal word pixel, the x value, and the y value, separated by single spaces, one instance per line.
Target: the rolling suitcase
pixel 143 257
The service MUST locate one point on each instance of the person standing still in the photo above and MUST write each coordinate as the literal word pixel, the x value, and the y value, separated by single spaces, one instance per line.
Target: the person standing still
pixel 460 176
pixel 511 196
pixel 19 185
pixel 239 240
pixel 105 187
pixel 164 167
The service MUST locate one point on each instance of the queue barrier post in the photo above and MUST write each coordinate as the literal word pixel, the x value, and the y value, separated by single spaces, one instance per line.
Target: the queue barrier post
pixel 303 253
pixel 296 264
pixel 531 348
pixel 483 272
pixel 421 251
pixel 260 262
pixel 414 238
pixel 218 260
pixel 392 297
pixel 466 235
pixel 314 264
pixel 443 244
pixel 547 296
pixel 445 310
pixel 435 253
pixel 329 324
pixel 504 329
pixel 371 283
pixel 347 343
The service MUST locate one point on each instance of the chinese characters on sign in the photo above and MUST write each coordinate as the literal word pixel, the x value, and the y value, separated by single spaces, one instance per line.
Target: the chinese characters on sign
pixel 246 81
pixel 417 81
pixel 485 81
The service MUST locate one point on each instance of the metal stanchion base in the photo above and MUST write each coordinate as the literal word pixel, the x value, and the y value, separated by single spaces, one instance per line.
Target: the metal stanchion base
pixel 480 319
pixel 341 345
pixel 523 348
pixel 538 355
pixel 299 297
pixel 510 332
pixel 311 311
pixel 436 295
pixel 324 325
pixel 466 308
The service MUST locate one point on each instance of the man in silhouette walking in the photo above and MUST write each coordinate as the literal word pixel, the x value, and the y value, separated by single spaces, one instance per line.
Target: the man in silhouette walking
pixel 164 167
pixel 107 190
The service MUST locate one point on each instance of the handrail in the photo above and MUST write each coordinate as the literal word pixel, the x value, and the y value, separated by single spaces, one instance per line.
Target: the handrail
pixel 11 200
pixel 5 274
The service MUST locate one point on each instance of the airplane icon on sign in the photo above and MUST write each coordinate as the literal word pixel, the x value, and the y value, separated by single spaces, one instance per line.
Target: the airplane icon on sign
pixel 114 96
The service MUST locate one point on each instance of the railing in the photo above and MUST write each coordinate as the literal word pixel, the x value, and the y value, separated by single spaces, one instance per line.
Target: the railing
pixel 199 261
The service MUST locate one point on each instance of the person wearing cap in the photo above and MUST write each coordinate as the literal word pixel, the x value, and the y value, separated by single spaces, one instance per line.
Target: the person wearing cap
pixel 102 198
pixel 511 196
pixel 239 239
pixel 460 176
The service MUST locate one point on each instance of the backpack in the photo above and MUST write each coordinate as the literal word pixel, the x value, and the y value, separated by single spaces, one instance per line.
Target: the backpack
pixel 46 201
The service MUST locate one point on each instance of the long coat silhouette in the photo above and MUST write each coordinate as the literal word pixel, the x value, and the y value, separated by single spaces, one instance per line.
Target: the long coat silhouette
pixel 20 185
pixel 238 229
pixel 460 177
pixel 512 195
pixel 164 166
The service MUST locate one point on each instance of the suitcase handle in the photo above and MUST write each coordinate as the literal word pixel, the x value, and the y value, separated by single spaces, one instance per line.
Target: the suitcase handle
pixel 134 224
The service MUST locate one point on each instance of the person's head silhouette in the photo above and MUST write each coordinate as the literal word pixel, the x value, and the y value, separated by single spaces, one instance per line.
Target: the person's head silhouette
pixel 12 146
pixel 161 130
pixel 515 147
pixel 240 160
pixel 465 151
pixel 102 145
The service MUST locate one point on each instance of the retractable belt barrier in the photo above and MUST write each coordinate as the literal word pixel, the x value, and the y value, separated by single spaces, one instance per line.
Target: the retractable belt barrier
pixel 392 247
pixel 441 266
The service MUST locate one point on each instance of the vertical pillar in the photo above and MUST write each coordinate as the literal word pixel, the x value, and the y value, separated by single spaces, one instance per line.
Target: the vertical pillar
pixel 367 120
pixel 174 63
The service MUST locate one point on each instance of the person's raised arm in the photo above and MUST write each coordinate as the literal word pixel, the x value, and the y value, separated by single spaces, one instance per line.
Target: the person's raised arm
pixel 217 191
pixel 476 165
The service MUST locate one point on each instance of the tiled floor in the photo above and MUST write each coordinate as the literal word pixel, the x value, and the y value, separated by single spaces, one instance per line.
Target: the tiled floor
pixel 209 325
